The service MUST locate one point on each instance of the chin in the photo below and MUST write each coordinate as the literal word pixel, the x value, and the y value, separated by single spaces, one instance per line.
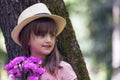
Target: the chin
pixel 46 53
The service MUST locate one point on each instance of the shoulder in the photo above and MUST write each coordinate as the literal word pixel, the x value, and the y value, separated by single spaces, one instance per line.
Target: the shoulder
pixel 66 65
pixel 63 63
pixel 67 72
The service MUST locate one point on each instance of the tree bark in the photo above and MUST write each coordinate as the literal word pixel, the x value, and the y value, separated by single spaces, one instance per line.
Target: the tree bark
pixel 67 43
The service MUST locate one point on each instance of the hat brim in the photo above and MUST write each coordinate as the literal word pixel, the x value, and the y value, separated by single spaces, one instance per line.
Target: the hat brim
pixel 60 21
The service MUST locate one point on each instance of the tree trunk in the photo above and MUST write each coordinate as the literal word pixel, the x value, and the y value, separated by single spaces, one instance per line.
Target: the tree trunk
pixel 116 41
pixel 67 43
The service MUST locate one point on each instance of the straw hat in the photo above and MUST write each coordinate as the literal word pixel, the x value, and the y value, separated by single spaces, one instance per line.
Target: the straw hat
pixel 38 10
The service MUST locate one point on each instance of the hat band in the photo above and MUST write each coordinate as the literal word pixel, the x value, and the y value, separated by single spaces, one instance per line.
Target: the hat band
pixel 42 13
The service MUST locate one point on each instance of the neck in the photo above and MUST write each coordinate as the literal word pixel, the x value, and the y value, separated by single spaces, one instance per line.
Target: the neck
pixel 38 55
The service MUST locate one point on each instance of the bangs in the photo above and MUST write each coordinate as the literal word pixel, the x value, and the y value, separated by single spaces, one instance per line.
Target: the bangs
pixel 42 26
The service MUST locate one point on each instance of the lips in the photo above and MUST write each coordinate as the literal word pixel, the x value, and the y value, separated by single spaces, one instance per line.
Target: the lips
pixel 47 46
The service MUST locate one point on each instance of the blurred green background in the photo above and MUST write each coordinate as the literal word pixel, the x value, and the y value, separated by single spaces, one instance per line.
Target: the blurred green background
pixel 92 22
pixel 3 57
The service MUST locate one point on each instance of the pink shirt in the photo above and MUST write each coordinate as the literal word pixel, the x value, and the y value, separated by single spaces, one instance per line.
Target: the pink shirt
pixel 65 73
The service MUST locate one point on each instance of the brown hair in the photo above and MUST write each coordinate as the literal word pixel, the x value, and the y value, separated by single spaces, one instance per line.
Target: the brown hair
pixel 40 27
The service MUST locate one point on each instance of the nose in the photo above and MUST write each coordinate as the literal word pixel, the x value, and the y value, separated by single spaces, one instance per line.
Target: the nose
pixel 48 38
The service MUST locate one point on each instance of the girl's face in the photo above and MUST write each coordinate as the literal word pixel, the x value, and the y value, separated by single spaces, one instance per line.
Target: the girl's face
pixel 41 46
pixel 38 37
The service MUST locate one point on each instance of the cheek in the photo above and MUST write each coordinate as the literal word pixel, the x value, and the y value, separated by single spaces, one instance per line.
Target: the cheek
pixel 34 46
pixel 32 43
pixel 35 43
pixel 54 41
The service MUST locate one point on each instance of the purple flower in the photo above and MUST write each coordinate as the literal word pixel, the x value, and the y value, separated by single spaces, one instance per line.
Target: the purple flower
pixel 33 77
pixel 27 66
pixel 35 68
pixel 14 70
pixel 35 59
pixel 40 70
pixel 7 66
pixel 18 75
pixel 32 67
pixel 13 77
pixel 14 62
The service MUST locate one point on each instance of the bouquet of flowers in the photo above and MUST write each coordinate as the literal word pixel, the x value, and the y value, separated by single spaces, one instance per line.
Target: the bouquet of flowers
pixel 27 68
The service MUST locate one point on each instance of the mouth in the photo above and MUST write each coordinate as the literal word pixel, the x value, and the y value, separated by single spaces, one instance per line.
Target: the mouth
pixel 47 46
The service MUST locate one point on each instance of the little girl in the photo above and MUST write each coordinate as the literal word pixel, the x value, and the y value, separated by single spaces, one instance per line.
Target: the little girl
pixel 36 33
